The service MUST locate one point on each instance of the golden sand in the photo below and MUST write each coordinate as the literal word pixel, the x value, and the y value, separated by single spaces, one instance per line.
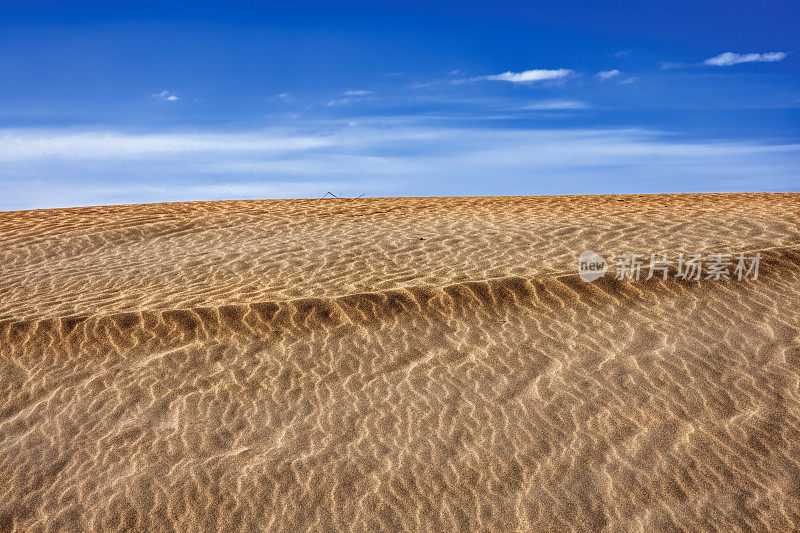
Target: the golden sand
pixel 423 364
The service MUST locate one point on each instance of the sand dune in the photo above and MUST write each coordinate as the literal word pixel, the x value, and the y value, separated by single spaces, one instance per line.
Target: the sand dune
pixel 427 364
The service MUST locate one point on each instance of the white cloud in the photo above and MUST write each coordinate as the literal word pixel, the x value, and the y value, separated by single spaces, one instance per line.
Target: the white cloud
pixel 24 144
pixel 554 105
pixel 340 101
pixel 350 97
pixel 729 58
pixel 166 96
pixel 528 76
pixel 424 84
pixel 607 74
pixel 49 168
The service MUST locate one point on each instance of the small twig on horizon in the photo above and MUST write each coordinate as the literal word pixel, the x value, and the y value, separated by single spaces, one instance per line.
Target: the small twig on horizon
pixel 341 197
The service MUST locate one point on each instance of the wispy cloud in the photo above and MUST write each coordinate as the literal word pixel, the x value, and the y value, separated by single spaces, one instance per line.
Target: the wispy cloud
pixel 424 84
pixel 555 105
pixel 165 96
pixel 727 59
pixel 26 144
pixel 607 74
pixel 49 168
pixel 529 76
pixel 341 101
pixel 349 97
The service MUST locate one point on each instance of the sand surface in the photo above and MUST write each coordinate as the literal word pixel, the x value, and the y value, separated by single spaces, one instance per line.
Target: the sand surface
pixel 421 364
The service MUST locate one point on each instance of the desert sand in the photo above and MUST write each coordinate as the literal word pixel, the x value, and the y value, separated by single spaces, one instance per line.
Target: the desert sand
pixel 400 364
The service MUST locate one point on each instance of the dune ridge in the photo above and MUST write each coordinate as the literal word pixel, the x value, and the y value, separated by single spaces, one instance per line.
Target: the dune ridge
pixel 528 400
pixel 164 256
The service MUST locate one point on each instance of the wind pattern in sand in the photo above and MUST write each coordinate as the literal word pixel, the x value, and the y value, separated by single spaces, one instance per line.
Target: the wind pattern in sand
pixel 428 364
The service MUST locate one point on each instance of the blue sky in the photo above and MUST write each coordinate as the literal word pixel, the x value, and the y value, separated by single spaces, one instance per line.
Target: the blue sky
pixel 124 102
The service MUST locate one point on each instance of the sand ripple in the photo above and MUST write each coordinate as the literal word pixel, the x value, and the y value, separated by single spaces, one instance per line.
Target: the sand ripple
pixel 493 392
